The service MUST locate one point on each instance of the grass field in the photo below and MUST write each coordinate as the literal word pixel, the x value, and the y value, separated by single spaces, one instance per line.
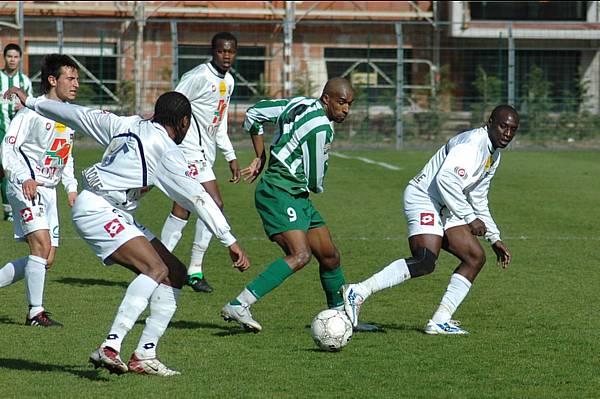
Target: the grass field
pixel 534 327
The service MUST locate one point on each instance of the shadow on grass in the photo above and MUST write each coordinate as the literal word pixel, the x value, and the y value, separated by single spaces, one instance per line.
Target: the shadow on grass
pixel 6 320
pixel 27 365
pixel 402 327
pixel 83 282
pixel 224 331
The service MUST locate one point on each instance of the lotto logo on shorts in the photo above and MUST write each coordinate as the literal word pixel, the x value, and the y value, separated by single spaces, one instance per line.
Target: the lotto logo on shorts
pixel 114 227
pixel 26 215
pixel 427 219
pixel 192 171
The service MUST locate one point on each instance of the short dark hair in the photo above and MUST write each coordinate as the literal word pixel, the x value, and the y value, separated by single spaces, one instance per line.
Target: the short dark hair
pixel 226 36
pixel 12 46
pixel 170 108
pixel 51 65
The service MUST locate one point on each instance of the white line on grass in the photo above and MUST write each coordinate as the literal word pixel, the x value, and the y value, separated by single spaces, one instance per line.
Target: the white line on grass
pixel 367 160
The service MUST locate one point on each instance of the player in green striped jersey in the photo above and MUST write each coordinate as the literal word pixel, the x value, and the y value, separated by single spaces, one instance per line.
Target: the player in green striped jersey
pixel 10 76
pixel 297 165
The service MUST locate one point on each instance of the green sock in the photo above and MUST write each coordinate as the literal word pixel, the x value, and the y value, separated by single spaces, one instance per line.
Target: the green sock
pixel 270 279
pixel 332 281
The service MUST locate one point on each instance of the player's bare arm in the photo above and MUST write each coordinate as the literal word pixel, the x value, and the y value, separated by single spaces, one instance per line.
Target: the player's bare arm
pixel 251 172
pixel 503 255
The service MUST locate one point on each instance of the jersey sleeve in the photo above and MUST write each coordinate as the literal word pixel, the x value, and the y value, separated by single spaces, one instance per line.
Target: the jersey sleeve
pixel 222 139
pixel 451 180
pixel 172 179
pixel 189 85
pixel 315 162
pixel 68 175
pixel 97 124
pixel 478 199
pixel 262 112
pixel 13 161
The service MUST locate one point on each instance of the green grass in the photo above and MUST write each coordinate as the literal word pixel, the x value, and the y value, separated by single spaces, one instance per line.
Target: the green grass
pixel 534 327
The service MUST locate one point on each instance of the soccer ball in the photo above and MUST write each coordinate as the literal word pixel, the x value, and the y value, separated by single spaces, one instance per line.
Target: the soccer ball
pixel 331 330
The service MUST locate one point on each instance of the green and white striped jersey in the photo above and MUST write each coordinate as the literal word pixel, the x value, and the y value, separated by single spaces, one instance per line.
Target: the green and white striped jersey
pixel 7 107
pixel 300 149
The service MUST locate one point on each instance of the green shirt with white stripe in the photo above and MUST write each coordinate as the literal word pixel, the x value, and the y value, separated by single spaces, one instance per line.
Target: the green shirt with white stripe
pixel 7 107
pixel 299 153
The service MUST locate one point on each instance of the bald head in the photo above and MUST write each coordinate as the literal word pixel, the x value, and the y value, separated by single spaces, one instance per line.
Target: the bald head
pixel 337 99
pixel 502 125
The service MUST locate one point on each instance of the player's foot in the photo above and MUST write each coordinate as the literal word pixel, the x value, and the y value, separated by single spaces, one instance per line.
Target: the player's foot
pixel 242 315
pixel 352 302
pixel 42 319
pixel 199 284
pixel 149 366
pixel 452 327
pixel 8 216
pixel 109 359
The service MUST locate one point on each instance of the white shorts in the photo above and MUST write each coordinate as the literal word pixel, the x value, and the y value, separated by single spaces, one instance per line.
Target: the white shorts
pixel 30 216
pixel 424 216
pixel 201 171
pixel 104 227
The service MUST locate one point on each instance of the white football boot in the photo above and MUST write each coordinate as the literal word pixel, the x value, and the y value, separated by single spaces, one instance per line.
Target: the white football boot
pixel 149 366
pixel 242 315
pixel 452 327
pixel 352 302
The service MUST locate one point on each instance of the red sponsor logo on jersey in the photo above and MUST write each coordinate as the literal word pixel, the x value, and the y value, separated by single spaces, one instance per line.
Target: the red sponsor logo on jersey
pixel 10 140
pixel 460 172
pixel 427 219
pixel 114 227
pixel 26 215
pixel 192 171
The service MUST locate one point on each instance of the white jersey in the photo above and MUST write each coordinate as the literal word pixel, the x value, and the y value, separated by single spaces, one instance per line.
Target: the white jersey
pixel 39 148
pixel 209 93
pixel 139 155
pixel 458 177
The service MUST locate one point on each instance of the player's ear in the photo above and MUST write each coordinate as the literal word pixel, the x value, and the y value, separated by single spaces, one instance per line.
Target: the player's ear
pixel 52 80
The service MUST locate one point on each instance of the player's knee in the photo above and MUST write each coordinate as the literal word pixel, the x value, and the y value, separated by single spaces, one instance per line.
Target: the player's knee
pixel 301 257
pixel 476 258
pixel 331 261
pixel 421 264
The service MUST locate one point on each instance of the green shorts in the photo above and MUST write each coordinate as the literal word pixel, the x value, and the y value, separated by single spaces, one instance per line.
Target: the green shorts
pixel 281 211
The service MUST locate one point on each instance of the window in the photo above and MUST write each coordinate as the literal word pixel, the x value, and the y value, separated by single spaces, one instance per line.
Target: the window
pixel 97 78
pixel 529 10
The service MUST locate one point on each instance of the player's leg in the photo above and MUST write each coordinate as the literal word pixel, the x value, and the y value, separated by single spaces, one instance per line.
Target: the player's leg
pixel 202 237
pixel 425 233
pixel 173 228
pixel 330 271
pixel 286 221
pixel 7 209
pixel 460 242
pixel 163 304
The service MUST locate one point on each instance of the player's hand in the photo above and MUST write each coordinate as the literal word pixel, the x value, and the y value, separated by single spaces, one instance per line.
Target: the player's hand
pixel 478 227
pixel 253 170
pixel 239 257
pixel 21 95
pixel 71 197
pixel 235 171
pixel 503 255
pixel 30 189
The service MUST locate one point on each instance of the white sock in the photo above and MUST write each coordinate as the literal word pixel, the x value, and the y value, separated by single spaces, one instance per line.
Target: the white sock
pixel 35 275
pixel 135 301
pixel 457 290
pixel 7 208
pixel 246 298
pixel 391 275
pixel 13 271
pixel 172 231
pixel 202 239
pixel 163 305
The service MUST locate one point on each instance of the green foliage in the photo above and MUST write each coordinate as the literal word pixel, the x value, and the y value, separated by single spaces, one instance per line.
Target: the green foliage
pixel 489 91
pixel 531 325
pixel 536 104
pixel 126 95
pixel 302 84
pixel 575 120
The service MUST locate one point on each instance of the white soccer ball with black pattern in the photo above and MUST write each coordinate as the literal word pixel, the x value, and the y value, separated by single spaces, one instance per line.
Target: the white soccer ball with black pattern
pixel 331 330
